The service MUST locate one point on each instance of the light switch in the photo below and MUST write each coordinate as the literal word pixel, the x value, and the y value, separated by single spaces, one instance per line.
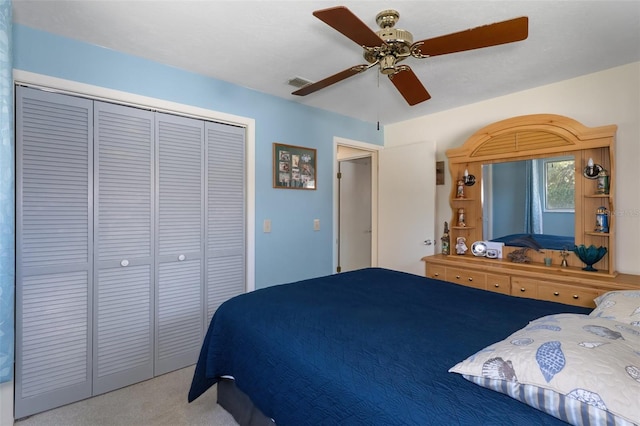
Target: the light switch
pixel 316 224
pixel 266 225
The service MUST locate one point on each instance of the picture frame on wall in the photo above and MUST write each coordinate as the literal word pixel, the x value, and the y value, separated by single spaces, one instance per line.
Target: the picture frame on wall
pixel 294 167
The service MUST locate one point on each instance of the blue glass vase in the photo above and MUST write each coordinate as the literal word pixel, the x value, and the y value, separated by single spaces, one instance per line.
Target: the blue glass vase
pixel 589 255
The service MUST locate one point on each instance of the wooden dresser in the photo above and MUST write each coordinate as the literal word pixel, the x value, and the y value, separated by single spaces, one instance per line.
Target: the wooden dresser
pixel 564 285
pixel 533 137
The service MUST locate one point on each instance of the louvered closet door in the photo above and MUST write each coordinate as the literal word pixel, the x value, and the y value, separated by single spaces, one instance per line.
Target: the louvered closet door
pixel 180 227
pixel 226 214
pixel 54 250
pixel 124 251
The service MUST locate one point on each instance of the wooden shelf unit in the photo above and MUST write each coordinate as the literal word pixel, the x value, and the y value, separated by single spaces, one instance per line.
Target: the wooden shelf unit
pixel 531 137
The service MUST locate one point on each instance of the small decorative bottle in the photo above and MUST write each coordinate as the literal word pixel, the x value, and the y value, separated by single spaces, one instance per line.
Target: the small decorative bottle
pixel 602 185
pixel 461 218
pixel 602 219
pixel 446 243
pixel 460 189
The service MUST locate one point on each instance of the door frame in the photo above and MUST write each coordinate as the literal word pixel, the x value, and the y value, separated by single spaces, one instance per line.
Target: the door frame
pixel 368 150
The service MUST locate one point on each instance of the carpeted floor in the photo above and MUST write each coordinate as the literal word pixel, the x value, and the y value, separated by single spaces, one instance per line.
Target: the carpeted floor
pixel 159 401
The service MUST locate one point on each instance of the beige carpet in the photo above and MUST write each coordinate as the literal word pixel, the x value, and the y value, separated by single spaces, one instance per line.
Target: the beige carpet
pixel 159 401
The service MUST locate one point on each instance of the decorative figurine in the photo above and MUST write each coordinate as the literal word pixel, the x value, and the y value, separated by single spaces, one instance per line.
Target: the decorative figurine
pixel 602 220
pixel 519 256
pixel 461 247
pixel 461 218
pixel 460 191
pixel 602 184
pixel 445 240
pixel 564 253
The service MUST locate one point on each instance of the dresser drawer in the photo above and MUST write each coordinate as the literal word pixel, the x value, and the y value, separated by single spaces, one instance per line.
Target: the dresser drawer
pixel 499 283
pixel 570 295
pixel 436 271
pixel 524 287
pixel 465 277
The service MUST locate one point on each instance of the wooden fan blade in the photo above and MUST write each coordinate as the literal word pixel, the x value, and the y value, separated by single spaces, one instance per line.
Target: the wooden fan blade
pixel 475 38
pixel 344 21
pixel 409 86
pixel 314 87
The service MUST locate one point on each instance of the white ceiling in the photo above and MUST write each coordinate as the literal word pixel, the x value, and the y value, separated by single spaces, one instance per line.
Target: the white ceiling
pixel 261 44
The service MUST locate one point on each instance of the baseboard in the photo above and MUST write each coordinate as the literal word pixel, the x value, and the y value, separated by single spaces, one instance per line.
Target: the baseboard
pixel 6 403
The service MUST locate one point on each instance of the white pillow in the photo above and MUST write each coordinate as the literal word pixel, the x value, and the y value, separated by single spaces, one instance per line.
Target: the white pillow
pixel 622 305
pixel 579 368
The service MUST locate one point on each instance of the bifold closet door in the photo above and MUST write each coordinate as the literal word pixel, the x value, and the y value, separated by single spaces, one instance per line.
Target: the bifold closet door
pixel 54 250
pixel 180 242
pixel 124 246
pixel 225 249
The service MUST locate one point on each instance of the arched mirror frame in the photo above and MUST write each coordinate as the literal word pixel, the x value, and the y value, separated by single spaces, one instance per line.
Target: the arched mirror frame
pixel 532 137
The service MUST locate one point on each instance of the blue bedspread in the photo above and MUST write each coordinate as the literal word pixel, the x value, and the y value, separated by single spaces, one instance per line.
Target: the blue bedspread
pixel 370 347
pixel 538 241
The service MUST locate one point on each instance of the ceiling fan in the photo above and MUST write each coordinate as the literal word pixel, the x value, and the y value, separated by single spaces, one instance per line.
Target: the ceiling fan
pixel 389 46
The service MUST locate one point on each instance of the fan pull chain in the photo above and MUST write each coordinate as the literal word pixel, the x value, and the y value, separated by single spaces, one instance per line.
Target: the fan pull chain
pixel 378 106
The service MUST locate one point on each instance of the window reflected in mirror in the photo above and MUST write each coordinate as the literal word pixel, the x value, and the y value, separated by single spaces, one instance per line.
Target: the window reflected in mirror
pixel 560 179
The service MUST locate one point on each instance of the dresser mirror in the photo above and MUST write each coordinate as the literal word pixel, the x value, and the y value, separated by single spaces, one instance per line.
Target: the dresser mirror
pixel 530 198
pixel 553 147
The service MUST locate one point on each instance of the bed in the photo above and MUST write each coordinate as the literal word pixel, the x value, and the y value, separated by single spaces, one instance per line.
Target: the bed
pixel 371 347
pixel 538 241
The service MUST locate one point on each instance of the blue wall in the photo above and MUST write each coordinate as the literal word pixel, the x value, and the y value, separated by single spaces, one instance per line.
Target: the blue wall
pixel 7 200
pixel 509 181
pixel 292 250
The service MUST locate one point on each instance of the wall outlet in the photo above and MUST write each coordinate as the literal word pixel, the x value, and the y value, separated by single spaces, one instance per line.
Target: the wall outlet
pixel 266 225
pixel 316 224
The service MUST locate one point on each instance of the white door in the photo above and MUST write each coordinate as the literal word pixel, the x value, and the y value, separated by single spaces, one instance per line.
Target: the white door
pixel 355 214
pixel 406 206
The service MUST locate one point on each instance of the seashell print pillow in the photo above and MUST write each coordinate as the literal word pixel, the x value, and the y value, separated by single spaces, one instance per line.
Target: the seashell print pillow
pixel 623 306
pixel 582 369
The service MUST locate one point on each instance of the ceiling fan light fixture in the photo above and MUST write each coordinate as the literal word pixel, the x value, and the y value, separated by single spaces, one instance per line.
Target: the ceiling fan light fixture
pixel 388 65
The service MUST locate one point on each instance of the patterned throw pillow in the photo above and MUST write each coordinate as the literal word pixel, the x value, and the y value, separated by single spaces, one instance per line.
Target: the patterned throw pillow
pixel 581 369
pixel 622 306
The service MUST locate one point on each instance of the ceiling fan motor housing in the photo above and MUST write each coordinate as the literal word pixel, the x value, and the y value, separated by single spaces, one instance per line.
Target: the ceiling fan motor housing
pixel 398 43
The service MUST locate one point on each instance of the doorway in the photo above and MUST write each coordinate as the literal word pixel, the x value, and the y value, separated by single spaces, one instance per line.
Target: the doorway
pixel 355 204
pixel 402 202
pixel 354 211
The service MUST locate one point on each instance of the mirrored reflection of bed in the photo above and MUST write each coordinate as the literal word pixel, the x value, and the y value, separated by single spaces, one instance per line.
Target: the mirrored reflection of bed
pixel 530 203
pixel 375 347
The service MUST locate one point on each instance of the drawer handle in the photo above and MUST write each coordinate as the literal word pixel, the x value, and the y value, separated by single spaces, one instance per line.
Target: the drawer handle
pixel 436 274
pixel 182 257
pixel 457 277
pixel 496 285
pixel 555 293
pixel 575 296
pixel 124 262
pixel 470 278
pixel 522 289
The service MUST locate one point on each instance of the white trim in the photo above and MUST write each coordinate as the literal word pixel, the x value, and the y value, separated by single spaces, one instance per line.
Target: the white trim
pixel 46 82
pixel 6 403
pixel 370 150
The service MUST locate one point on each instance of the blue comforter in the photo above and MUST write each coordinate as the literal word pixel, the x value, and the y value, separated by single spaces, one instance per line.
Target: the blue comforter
pixel 538 241
pixel 369 347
